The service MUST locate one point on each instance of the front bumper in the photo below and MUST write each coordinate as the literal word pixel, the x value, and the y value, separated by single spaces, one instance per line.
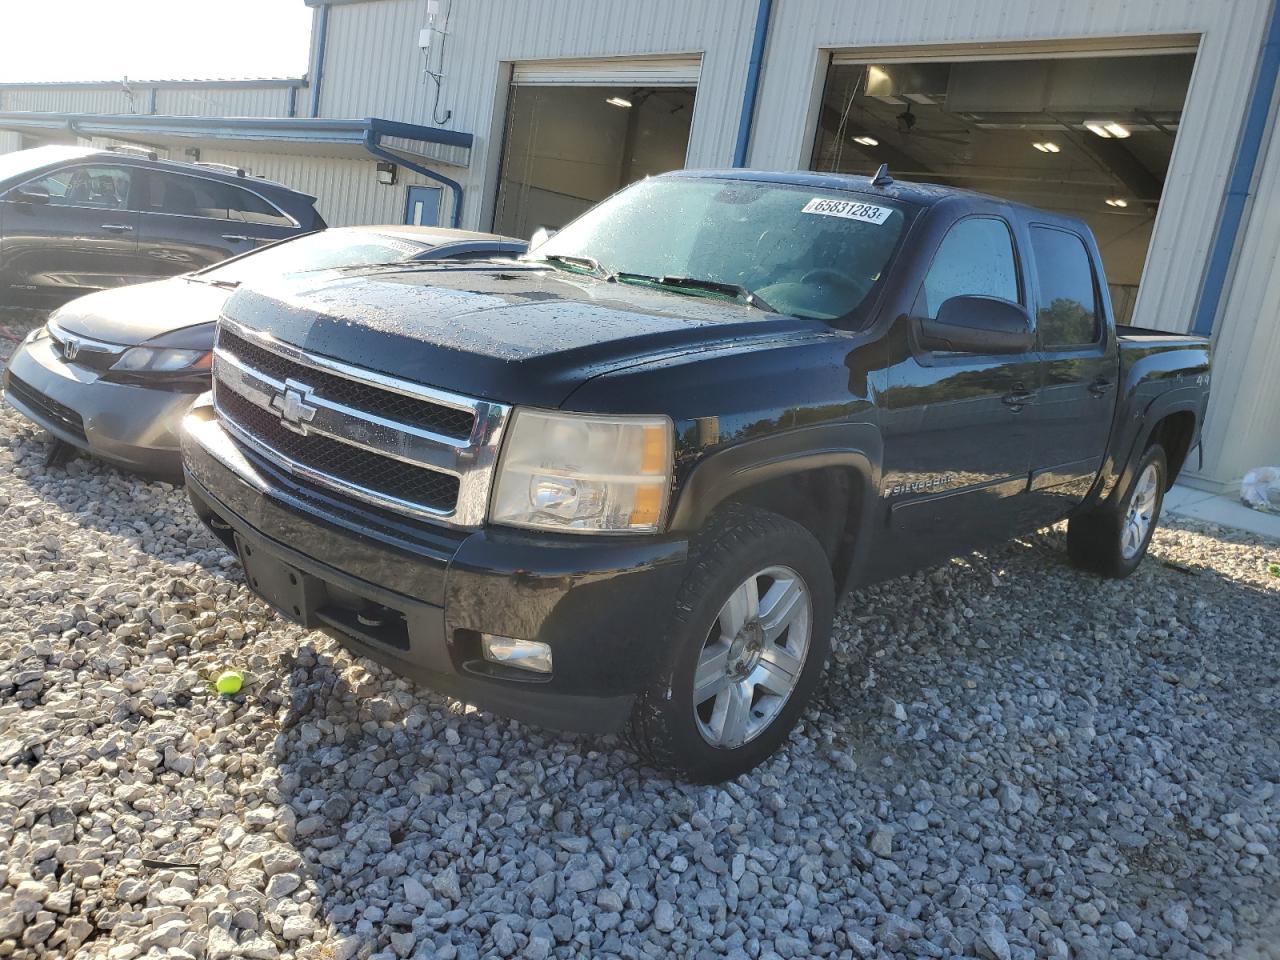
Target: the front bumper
pixel 416 596
pixel 133 426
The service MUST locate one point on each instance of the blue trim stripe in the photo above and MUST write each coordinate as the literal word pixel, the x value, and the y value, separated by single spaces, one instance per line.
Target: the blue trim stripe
pixel 753 83
pixel 322 41
pixel 1246 162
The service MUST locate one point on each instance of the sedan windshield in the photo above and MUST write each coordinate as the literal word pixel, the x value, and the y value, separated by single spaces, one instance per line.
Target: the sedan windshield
pixel 326 250
pixel 801 250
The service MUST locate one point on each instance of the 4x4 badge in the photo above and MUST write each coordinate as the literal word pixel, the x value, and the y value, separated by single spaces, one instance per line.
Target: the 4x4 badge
pixel 295 412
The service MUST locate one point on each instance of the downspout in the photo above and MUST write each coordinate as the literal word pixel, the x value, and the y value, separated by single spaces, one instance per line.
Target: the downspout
pixel 753 83
pixel 317 71
pixel 1242 171
pixel 373 143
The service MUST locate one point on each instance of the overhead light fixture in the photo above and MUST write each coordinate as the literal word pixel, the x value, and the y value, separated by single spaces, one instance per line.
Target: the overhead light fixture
pixel 1117 202
pixel 619 102
pixel 1107 129
pixel 386 173
pixel 867 141
pixel 1047 146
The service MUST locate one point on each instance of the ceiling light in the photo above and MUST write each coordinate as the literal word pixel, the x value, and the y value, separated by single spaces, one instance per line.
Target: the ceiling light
pixel 867 141
pixel 1117 202
pixel 619 101
pixel 1047 146
pixel 1106 129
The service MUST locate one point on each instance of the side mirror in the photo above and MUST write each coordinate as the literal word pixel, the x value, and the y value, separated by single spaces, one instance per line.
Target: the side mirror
pixel 540 236
pixel 32 193
pixel 978 325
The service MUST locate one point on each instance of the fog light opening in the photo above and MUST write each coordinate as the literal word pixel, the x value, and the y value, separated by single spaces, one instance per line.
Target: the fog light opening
pixel 524 654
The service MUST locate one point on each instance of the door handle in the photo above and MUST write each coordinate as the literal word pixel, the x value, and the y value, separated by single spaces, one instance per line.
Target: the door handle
pixel 1100 387
pixel 118 227
pixel 1017 398
pixel 236 237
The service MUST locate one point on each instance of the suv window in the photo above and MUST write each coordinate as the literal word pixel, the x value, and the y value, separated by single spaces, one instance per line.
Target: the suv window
pixel 85 186
pixel 1068 308
pixel 975 259
pixel 196 197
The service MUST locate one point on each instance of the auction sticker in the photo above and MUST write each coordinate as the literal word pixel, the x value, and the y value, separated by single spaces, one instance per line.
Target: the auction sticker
pixel 849 209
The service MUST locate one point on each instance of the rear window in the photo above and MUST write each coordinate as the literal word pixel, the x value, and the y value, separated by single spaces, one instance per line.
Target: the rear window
pixel 1068 307
pixel 196 197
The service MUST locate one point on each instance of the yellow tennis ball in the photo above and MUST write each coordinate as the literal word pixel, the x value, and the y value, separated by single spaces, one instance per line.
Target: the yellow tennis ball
pixel 229 682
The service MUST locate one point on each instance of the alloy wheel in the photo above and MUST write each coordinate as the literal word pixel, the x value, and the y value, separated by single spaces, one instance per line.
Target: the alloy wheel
pixel 753 656
pixel 1142 508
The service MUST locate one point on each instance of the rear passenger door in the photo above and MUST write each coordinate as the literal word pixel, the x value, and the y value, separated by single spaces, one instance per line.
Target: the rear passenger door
pixel 1078 389
pixel 189 222
pixel 957 426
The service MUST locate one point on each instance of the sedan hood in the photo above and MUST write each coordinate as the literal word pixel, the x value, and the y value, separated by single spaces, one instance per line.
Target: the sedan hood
pixel 131 315
pixel 513 333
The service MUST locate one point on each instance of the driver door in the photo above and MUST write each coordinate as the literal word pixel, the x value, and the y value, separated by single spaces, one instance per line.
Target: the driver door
pixel 71 231
pixel 957 426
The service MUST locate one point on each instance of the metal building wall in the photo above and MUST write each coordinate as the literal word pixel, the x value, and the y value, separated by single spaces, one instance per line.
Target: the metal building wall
pixel 197 101
pixel 347 190
pixel 181 100
pixel 374 65
pixel 1243 427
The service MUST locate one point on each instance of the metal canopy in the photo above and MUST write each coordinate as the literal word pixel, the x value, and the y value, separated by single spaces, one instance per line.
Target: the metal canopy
pixel 237 131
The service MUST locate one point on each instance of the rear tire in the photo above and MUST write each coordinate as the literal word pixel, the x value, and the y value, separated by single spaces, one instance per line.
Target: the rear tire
pixel 749 641
pixel 1112 540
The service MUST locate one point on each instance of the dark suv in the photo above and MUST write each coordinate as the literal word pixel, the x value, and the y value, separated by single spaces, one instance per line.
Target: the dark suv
pixel 74 220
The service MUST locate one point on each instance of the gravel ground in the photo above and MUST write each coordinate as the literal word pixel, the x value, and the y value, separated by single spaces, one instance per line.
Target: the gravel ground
pixel 1010 760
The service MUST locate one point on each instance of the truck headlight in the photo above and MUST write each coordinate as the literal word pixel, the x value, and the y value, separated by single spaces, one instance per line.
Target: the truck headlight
pixel 584 473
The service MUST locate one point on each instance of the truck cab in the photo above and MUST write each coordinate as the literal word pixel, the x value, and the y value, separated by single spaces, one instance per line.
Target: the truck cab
pixel 622 483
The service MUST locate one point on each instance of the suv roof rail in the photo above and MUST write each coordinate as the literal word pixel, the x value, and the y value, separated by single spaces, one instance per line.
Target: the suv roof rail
pixel 230 168
pixel 127 148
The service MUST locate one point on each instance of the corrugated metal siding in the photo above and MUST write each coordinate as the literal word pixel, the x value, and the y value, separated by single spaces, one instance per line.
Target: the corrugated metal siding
pixel 73 100
pixel 484 34
pixel 9 142
pixel 1243 427
pixel 186 100
pixel 194 101
pixel 347 190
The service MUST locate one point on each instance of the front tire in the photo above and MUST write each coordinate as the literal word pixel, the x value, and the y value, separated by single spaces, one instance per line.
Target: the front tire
pixel 750 639
pixel 1112 540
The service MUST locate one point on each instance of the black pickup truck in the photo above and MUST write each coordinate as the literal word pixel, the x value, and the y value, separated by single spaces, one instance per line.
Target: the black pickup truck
pixel 621 484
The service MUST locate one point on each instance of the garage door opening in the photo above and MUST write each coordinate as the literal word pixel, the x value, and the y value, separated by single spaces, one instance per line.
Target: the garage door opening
pixel 574 136
pixel 1087 136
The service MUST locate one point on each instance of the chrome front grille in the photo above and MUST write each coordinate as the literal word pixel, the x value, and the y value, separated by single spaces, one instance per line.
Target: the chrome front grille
pixel 389 442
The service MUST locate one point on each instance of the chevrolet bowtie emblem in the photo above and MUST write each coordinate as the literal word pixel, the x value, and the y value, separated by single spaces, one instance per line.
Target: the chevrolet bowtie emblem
pixel 293 408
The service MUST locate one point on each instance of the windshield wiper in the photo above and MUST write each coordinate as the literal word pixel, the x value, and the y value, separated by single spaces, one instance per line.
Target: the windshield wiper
pixel 735 290
pixel 591 263
pixel 224 284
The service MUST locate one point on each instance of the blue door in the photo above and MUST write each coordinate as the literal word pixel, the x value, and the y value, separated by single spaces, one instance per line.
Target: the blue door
pixel 423 208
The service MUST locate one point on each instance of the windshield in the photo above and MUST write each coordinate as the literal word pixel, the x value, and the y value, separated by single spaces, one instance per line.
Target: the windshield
pixel 802 250
pixel 325 250
pixel 25 161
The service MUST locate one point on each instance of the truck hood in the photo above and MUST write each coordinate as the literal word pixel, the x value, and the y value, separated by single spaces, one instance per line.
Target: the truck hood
pixel 514 333
pixel 134 314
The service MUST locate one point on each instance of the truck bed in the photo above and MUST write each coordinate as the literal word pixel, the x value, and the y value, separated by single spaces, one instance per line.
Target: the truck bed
pixel 1145 334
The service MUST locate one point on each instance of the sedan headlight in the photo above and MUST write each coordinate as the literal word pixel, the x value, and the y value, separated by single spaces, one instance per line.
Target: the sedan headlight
pixel 162 360
pixel 584 473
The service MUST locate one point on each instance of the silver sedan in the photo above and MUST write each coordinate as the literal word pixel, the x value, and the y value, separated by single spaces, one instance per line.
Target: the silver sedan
pixel 113 373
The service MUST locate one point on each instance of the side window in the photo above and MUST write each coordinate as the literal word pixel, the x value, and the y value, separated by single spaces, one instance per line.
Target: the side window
pixel 196 197
pixel 105 187
pixel 975 259
pixel 1068 308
